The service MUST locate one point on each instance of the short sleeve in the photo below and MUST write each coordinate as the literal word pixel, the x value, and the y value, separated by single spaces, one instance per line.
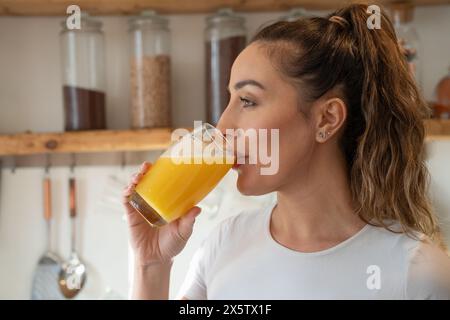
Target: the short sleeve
pixel 428 276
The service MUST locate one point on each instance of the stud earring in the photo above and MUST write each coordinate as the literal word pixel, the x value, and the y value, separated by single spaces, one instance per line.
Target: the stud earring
pixel 321 135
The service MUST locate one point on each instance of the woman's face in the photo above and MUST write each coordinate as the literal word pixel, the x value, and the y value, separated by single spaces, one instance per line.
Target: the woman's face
pixel 262 99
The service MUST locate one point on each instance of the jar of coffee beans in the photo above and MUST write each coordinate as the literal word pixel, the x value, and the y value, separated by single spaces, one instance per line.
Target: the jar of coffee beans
pixel 82 56
pixel 225 37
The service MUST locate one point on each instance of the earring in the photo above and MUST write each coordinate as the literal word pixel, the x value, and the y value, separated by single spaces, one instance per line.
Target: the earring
pixel 321 135
pixel 327 134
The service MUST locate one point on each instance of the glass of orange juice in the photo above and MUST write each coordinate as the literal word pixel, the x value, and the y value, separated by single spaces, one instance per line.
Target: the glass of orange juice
pixel 183 175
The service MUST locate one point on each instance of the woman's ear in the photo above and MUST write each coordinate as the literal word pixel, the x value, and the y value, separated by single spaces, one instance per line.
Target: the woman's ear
pixel 331 114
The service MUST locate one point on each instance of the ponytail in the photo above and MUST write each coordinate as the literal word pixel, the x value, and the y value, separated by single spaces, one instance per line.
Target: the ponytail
pixel 389 177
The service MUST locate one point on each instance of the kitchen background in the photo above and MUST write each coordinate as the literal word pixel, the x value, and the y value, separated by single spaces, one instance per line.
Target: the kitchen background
pixel 31 99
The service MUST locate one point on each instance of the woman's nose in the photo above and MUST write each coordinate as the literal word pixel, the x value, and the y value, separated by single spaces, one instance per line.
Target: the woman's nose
pixel 225 121
pixel 221 127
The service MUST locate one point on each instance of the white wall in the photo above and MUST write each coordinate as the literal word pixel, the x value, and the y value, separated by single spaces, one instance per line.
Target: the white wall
pixel 30 99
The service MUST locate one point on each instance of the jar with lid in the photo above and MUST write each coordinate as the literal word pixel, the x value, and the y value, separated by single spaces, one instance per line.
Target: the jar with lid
pixel 442 98
pixel 402 13
pixel 295 14
pixel 82 57
pixel 225 37
pixel 150 85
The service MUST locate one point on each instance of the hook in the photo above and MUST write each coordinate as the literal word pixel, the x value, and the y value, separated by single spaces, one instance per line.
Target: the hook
pixel 47 164
pixel 123 160
pixel 13 165
pixel 72 163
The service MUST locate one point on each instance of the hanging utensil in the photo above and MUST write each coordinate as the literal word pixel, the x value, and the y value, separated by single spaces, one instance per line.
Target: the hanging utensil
pixel 73 274
pixel 1 175
pixel 45 280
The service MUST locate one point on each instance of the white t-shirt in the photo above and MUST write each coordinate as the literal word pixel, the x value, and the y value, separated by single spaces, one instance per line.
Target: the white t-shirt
pixel 241 260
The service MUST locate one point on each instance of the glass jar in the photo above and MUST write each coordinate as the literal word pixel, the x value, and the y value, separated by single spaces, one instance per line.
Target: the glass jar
pixel 82 56
pixel 402 17
pixel 295 14
pixel 225 37
pixel 442 103
pixel 150 86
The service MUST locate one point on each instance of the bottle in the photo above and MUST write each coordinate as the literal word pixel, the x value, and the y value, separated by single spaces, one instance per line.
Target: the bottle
pixel 150 85
pixel 225 37
pixel 82 56
pixel 402 15
pixel 442 104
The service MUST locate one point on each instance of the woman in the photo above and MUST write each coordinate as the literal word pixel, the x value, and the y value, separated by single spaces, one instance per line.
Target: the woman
pixel 352 218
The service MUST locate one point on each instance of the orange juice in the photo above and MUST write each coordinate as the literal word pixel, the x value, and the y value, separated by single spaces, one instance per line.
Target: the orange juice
pixel 169 189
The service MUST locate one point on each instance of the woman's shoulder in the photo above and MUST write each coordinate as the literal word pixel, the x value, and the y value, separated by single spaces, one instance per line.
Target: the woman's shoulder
pixel 426 264
pixel 392 237
pixel 428 272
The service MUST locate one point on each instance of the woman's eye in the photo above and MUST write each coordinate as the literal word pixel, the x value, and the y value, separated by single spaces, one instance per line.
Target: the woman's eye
pixel 247 102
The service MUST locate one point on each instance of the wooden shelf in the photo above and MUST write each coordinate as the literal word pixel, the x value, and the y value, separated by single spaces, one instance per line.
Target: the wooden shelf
pixel 127 140
pixel 115 7
pixel 437 130
pixel 85 141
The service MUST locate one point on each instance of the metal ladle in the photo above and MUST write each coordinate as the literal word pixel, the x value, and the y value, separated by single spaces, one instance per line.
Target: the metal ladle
pixel 73 274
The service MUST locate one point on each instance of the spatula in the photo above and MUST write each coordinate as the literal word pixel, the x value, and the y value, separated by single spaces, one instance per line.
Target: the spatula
pixel 45 281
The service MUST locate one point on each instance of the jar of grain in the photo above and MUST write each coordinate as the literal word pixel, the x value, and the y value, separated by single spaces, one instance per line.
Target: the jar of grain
pixel 150 71
pixel 225 37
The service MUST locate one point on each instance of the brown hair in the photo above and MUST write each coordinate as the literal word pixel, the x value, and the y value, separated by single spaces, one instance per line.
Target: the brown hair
pixel 383 136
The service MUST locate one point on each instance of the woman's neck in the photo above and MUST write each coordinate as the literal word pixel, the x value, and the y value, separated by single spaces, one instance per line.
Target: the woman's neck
pixel 316 212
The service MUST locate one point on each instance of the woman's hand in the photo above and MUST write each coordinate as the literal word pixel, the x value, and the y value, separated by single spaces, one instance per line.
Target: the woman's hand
pixel 156 244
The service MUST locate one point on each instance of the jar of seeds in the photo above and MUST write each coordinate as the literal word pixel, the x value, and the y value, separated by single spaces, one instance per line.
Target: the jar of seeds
pixel 150 71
